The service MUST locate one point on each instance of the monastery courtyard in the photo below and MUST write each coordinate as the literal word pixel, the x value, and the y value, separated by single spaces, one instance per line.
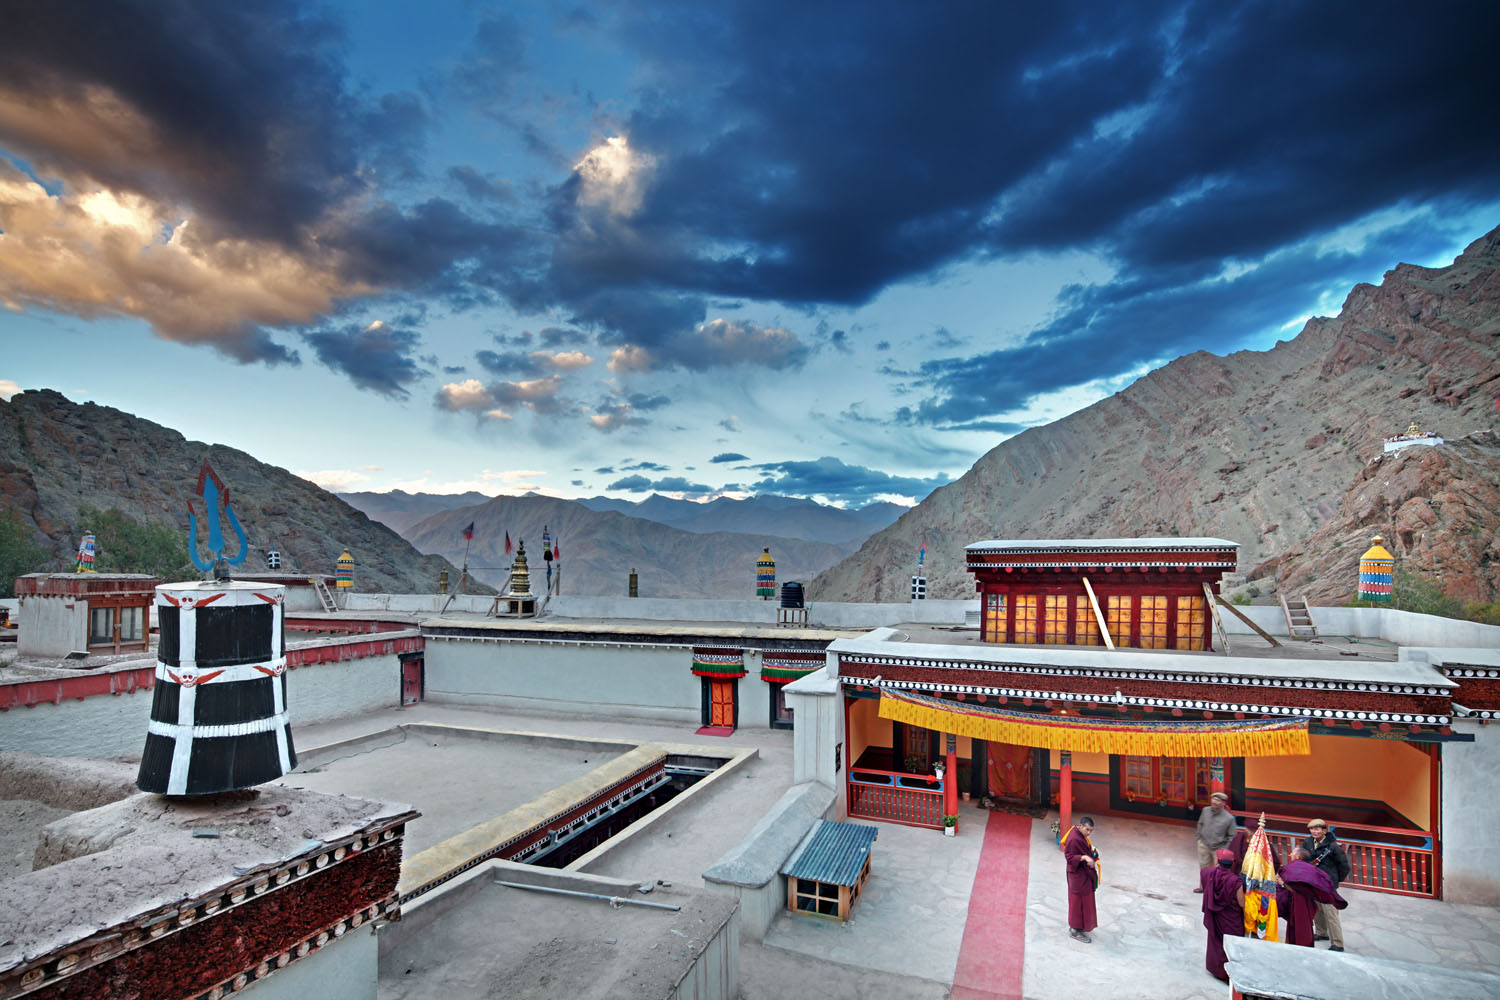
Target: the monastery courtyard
pixel 976 916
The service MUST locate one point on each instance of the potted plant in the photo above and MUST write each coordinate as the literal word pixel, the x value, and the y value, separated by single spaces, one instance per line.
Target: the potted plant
pixel 950 824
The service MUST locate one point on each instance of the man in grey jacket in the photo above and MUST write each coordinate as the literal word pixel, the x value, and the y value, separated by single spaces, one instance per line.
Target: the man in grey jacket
pixel 1215 830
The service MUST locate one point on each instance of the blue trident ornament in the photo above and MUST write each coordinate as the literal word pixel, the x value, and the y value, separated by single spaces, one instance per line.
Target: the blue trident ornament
pixel 215 495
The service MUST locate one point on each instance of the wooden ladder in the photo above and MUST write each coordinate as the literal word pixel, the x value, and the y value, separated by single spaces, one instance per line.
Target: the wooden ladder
pixel 324 597
pixel 1299 623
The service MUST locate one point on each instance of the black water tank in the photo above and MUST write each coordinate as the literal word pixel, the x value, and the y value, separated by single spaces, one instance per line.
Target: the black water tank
pixel 791 595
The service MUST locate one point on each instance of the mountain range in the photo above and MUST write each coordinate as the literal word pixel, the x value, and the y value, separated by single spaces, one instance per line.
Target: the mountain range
pixel 1280 451
pixel 599 549
pixel 57 455
pixel 1264 448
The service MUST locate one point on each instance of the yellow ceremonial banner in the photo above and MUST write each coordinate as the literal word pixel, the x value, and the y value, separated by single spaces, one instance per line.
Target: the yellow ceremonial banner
pixel 1227 738
pixel 1259 873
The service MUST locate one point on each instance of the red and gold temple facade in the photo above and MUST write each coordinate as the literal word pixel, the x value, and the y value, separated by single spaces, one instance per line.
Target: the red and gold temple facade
pixel 1358 742
pixel 1148 593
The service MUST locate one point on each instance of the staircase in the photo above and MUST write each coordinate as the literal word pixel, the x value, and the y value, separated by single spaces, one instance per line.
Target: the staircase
pixel 324 597
pixel 1299 623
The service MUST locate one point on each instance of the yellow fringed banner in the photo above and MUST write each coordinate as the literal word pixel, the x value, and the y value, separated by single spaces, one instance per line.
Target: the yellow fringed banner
pixel 1221 738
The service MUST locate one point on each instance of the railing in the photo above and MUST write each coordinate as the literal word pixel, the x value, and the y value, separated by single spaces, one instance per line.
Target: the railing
pixel 896 797
pixel 1381 858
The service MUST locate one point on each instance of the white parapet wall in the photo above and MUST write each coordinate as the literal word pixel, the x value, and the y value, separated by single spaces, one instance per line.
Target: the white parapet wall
pixel 643 681
pixel 827 613
pixel 101 725
pixel 1404 628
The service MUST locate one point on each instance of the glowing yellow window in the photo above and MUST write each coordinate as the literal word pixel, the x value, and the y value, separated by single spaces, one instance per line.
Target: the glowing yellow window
pixel 1026 609
pixel 993 626
pixel 1085 628
pixel 1190 622
pixel 1153 621
pixel 1055 620
pixel 1117 617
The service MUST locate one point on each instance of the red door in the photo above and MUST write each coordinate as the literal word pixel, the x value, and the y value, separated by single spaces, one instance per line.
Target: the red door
pixel 721 703
pixel 411 681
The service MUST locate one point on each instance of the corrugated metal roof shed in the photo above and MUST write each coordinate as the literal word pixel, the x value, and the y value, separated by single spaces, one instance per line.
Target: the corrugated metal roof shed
pixel 832 852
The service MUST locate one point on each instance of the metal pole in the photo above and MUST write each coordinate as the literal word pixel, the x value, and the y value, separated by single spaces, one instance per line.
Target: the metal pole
pixel 615 901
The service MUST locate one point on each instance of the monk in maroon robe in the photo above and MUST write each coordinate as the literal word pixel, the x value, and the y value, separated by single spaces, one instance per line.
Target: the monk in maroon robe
pixel 1302 887
pixel 1223 909
pixel 1082 863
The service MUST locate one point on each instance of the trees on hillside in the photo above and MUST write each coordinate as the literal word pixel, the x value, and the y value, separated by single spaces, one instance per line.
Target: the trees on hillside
pixel 19 555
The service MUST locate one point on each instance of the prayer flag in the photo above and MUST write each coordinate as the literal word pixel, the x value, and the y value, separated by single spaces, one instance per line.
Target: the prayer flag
pixel 555 553
pixel 921 555
pixel 469 532
pixel 507 543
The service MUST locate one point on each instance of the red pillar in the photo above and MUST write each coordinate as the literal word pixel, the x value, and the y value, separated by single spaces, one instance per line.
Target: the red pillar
pixel 1065 793
pixel 950 776
pixel 1216 777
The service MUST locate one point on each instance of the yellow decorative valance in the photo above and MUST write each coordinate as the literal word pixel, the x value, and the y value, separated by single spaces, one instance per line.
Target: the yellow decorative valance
pixel 1177 738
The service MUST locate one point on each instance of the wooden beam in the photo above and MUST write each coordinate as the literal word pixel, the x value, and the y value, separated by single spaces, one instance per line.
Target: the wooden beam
pixel 1098 614
pixel 1241 616
pixel 1213 609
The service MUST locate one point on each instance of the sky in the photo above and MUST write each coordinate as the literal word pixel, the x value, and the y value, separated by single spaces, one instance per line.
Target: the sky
pixel 829 250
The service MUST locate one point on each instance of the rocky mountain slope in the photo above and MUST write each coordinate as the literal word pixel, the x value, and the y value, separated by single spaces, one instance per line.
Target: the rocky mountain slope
pixel 56 455
pixel 1258 447
pixel 598 549
pixel 1437 509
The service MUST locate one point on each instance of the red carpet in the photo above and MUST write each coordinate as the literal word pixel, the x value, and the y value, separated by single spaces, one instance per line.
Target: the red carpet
pixel 715 731
pixel 994 946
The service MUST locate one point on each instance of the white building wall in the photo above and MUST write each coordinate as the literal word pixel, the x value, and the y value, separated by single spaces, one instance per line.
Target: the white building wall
pixel 343 969
pixel 99 726
pixel 52 626
pixel 109 726
pixel 1405 628
pixel 1471 815
pixel 320 692
pixel 831 614
pixel 647 682
pixel 818 753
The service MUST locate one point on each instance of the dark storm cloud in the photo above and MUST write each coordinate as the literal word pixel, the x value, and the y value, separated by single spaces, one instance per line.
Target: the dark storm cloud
pixel 510 363
pixel 667 484
pixel 791 164
pixel 787 153
pixel 832 478
pixel 677 484
pixel 561 336
pixel 645 402
pixel 481 187
pixel 729 456
pixel 375 357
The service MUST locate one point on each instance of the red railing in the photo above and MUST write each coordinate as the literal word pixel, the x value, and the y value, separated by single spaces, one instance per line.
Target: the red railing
pixel 1381 858
pixel 896 797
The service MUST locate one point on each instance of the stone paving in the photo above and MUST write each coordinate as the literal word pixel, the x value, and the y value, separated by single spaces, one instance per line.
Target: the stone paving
pixel 904 939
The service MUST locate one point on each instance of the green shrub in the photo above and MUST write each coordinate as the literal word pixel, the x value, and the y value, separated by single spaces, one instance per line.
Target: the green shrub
pixel 19 555
pixel 125 545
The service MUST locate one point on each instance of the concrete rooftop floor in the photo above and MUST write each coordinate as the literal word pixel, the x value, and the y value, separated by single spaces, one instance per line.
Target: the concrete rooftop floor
pixel 904 939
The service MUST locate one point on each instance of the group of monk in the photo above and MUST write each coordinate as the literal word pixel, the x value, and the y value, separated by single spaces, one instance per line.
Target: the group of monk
pixel 1306 886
